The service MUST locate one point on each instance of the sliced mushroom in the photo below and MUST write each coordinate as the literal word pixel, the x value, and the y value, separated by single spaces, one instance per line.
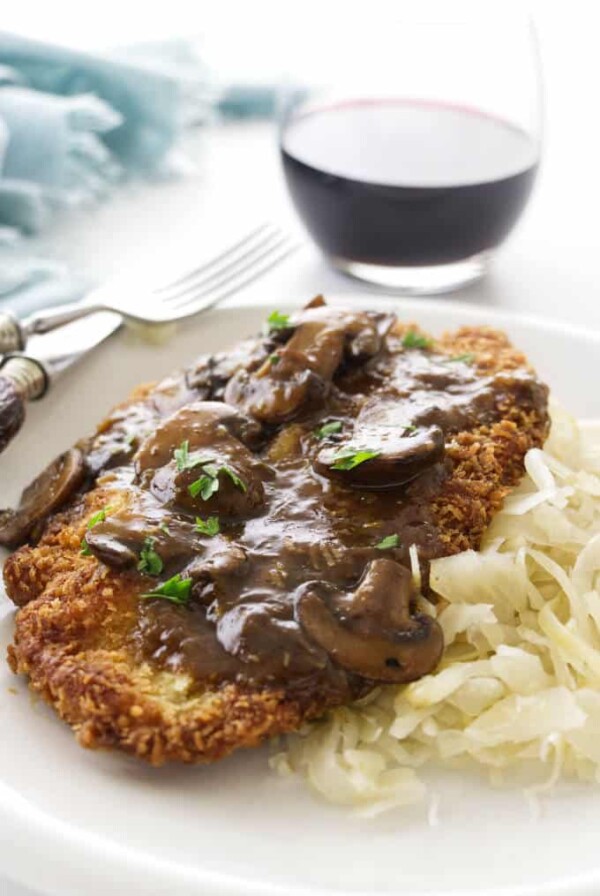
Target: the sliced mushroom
pixel 397 459
pixel 277 647
pixel 364 331
pixel 115 440
pixel 371 631
pixel 106 544
pixel 275 397
pixel 164 499
pixel 238 497
pixel 47 493
pixel 299 374
pixel 400 449
pixel 212 433
pixel 209 375
pixel 200 425
pixel 216 571
pixel 118 540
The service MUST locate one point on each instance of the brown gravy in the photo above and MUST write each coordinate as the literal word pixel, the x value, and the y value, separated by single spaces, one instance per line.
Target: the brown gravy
pixel 304 544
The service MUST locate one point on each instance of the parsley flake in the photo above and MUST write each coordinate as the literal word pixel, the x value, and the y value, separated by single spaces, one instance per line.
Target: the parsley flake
pixel 187 461
pixel 350 458
pixel 274 358
pixel 408 430
pixel 414 340
pixel 390 541
pixel 98 517
pixel 209 526
pixel 150 562
pixel 181 455
pixel 278 321
pixel 239 483
pixel 176 589
pixel 206 486
pixel 328 429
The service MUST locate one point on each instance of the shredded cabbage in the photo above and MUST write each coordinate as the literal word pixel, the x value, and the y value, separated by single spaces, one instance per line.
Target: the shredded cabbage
pixel 519 685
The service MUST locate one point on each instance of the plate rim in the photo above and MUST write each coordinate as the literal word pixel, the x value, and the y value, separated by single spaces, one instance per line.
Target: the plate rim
pixel 128 866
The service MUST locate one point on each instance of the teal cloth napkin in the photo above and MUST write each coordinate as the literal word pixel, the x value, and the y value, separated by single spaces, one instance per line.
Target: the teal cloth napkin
pixel 28 282
pixel 73 125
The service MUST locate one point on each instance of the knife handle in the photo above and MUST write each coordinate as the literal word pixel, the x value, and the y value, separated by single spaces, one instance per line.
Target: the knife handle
pixel 22 379
pixel 12 337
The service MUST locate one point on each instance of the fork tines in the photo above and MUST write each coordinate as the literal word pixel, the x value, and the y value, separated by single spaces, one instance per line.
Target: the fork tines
pixel 240 264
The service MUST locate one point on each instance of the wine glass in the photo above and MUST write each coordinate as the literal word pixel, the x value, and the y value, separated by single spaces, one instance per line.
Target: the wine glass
pixel 410 143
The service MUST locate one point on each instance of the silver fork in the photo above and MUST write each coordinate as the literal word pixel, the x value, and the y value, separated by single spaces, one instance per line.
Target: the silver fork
pixel 25 378
pixel 196 290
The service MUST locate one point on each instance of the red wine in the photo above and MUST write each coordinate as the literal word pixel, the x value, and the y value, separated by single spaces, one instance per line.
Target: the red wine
pixel 407 183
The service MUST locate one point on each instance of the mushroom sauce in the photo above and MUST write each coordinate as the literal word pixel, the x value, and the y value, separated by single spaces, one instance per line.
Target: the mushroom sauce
pixel 283 484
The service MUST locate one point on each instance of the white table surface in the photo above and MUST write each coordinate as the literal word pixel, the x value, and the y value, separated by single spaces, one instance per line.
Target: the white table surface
pixel 549 267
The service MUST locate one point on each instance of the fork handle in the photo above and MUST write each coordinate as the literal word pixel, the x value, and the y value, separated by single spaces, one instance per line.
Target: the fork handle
pixel 22 379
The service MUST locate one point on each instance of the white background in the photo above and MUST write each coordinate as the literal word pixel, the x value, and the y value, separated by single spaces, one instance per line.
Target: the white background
pixel 549 267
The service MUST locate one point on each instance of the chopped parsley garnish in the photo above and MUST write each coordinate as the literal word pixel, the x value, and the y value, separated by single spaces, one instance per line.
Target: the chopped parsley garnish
pixel 467 358
pixel 98 517
pixel 208 484
pixel 352 457
pixel 414 340
pixel 328 429
pixel 390 541
pixel 150 562
pixel 164 528
pixel 408 430
pixel 239 483
pixel 176 589
pixel 278 321
pixel 274 358
pixel 187 461
pixel 209 526
pixel 182 455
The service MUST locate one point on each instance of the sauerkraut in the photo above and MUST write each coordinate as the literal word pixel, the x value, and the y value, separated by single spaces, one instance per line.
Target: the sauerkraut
pixel 519 684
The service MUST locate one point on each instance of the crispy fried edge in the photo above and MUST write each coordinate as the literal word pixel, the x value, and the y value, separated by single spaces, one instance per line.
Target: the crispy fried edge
pixel 69 641
pixel 69 637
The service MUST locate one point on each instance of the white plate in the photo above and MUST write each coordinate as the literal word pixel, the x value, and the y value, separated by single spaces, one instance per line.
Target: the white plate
pixel 74 822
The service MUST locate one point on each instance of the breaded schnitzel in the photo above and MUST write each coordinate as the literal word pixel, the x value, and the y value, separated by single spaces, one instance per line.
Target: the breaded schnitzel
pixel 231 555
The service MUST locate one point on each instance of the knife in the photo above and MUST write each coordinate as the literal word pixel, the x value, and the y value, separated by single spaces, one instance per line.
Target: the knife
pixel 27 377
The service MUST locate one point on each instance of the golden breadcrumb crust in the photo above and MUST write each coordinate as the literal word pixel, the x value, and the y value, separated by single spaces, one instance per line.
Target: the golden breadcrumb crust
pixel 71 628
